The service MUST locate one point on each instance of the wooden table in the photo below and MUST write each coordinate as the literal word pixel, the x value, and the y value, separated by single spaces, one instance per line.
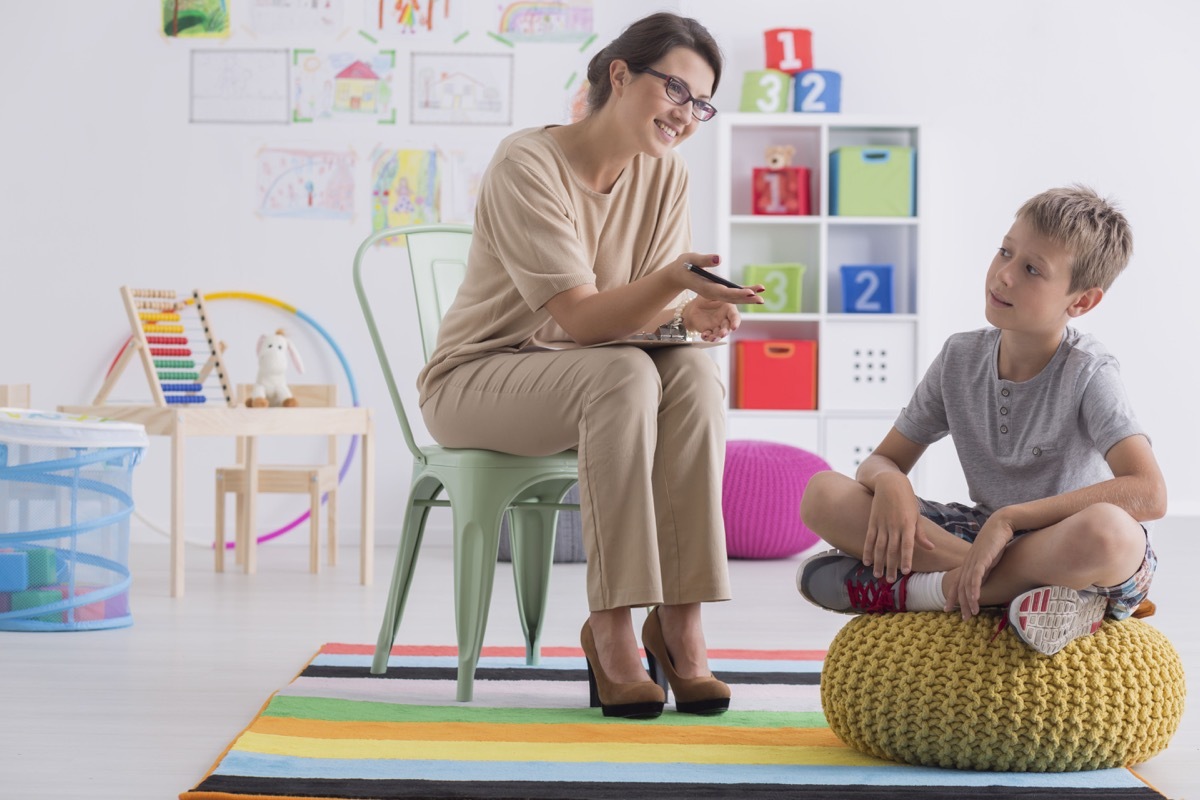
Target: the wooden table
pixel 180 422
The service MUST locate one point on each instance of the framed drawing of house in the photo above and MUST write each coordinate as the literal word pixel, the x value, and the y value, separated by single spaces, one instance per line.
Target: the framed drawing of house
pixel 461 89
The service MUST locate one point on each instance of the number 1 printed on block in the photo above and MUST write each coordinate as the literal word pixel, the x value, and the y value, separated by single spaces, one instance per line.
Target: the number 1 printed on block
pixel 789 49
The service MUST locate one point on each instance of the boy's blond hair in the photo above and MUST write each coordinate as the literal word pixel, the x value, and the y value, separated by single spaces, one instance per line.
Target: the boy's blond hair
pixel 1088 225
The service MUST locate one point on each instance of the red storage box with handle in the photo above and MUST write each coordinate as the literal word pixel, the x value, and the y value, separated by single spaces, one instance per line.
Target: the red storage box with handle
pixel 776 374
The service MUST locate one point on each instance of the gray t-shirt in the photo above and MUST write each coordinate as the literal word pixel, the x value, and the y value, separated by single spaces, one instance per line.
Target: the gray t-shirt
pixel 1019 442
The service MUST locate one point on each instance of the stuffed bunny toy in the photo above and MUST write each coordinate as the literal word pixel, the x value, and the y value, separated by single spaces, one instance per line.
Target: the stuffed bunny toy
pixel 270 387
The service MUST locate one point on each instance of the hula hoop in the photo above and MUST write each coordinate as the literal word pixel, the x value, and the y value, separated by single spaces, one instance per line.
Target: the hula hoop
pixel 337 351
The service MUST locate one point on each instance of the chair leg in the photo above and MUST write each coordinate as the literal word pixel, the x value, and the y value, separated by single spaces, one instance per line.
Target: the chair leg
pixel 239 530
pixel 478 509
pixel 331 502
pixel 424 488
pixel 314 528
pixel 219 539
pixel 532 540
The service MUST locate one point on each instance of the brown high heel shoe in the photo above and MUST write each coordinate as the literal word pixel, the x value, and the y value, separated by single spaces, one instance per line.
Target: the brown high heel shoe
pixel 636 700
pixel 692 695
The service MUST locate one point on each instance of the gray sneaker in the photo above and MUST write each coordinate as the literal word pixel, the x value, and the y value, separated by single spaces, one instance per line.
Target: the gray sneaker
pixel 839 582
pixel 1049 617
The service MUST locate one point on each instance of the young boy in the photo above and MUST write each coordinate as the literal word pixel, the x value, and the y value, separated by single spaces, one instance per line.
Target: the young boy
pixel 1060 472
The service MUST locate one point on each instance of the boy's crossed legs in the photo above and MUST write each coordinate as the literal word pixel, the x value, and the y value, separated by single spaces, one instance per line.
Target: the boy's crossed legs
pixel 1058 581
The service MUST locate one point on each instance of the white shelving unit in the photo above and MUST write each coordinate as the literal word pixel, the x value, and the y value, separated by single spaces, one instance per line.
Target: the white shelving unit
pixel 867 363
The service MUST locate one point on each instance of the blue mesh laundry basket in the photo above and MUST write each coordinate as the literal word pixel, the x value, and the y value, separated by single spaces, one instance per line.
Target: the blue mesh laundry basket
pixel 64 520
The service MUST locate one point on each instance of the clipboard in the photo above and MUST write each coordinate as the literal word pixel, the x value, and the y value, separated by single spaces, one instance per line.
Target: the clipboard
pixel 652 344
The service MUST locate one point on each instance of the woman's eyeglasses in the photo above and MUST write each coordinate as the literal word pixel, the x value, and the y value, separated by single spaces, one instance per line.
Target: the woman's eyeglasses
pixel 678 93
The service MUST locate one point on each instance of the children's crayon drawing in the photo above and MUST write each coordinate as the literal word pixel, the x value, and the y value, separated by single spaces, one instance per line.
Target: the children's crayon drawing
pixel 563 21
pixel 239 86
pixel 292 16
pixel 342 86
pixel 195 18
pixel 461 173
pixel 461 89
pixel 307 184
pixel 417 18
pixel 405 188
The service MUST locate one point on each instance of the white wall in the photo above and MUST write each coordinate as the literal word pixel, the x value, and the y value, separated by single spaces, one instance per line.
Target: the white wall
pixel 107 184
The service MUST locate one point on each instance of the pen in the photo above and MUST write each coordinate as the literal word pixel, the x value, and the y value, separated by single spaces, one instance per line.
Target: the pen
pixel 712 276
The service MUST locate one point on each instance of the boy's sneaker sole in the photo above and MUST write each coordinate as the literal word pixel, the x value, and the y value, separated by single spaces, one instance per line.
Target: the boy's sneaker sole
pixel 1049 617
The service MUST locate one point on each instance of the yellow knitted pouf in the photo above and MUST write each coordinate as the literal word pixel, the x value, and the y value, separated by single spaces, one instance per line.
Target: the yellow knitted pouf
pixel 930 689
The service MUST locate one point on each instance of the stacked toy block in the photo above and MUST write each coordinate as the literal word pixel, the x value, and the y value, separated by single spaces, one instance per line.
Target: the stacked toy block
pixel 33 578
pixel 789 81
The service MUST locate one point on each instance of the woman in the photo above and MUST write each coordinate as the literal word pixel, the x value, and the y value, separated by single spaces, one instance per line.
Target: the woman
pixel 581 237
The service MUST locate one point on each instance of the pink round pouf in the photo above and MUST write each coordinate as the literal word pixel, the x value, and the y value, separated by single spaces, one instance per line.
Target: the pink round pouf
pixel 761 493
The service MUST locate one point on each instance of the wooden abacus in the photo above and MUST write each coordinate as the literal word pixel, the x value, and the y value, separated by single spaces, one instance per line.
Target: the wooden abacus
pixel 178 353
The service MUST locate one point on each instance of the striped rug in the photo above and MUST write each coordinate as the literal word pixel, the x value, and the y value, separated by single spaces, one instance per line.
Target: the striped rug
pixel 338 732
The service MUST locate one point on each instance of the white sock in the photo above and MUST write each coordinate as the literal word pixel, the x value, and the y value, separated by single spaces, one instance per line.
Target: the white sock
pixel 924 592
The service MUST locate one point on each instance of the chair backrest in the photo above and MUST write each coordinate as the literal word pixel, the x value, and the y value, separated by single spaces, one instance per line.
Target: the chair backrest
pixel 14 395
pixel 308 395
pixel 437 263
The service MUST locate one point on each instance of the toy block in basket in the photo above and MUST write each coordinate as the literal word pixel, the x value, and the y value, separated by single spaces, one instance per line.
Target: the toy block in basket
pixel 56 576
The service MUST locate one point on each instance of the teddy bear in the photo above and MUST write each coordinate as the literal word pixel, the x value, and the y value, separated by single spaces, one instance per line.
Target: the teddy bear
pixel 270 387
pixel 780 156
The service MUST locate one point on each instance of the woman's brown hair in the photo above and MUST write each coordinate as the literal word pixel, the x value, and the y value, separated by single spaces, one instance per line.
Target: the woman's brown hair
pixel 643 43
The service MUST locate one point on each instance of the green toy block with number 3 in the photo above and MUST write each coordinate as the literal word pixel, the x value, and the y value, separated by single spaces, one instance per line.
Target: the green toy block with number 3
pixel 766 91
pixel 784 284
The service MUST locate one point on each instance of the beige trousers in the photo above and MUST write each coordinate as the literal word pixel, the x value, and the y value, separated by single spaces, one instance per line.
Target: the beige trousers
pixel 649 426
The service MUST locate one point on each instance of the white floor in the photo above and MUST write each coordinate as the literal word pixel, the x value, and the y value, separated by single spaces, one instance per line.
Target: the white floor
pixel 143 712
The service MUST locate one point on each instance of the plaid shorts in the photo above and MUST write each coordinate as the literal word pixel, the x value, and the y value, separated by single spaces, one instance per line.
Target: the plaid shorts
pixel 965 522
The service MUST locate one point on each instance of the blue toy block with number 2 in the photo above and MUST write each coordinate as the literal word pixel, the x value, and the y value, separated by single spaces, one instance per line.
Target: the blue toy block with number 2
pixel 867 289
pixel 766 91
pixel 818 91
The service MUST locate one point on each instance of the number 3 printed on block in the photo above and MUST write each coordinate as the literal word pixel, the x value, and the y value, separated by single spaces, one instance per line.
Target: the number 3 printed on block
pixel 766 91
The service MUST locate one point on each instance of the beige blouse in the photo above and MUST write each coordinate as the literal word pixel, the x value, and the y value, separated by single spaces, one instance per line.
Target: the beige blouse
pixel 540 231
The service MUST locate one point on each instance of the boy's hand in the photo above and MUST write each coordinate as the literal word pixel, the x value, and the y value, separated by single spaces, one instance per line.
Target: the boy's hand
pixel 893 528
pixel 983 556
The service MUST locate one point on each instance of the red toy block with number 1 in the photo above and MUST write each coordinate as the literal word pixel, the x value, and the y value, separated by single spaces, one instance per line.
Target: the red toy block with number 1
pixel 781 191
pixel 789 49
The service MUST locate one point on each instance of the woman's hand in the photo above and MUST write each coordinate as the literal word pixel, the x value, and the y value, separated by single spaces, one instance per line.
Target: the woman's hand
pixel 712 319
pixel 710 290
pixel 713 313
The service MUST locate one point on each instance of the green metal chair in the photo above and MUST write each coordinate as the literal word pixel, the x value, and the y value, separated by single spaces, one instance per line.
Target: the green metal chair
pixel 481 486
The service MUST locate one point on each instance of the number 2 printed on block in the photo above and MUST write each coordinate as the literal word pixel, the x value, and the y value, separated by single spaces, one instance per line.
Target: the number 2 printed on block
pixel 818 91
pixel 867 289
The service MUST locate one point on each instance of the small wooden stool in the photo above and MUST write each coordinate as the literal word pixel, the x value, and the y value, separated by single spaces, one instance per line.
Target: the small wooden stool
pixel 313 480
